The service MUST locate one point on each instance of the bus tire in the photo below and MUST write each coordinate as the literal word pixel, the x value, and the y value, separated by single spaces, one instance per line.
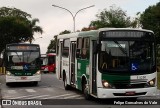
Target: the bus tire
pixel 85 91
pixel 66 86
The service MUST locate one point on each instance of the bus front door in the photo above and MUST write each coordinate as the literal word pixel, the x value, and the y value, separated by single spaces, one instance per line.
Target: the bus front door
pixel 94 68
pixel 72 62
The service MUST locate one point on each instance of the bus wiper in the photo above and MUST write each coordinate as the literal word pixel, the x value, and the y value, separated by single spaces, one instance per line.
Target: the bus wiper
pixel 121 48
pixel 18 57
pixel 28 57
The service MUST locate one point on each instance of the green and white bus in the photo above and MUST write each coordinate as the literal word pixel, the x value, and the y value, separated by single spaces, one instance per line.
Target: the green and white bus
pixel 109 62
pixel 22 62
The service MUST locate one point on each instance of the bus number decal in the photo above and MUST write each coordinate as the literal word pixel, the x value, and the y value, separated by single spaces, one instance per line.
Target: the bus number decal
pixel 141 77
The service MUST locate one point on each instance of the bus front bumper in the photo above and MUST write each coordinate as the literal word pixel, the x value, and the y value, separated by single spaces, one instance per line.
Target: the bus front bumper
pixel 123 93
pixel 23 78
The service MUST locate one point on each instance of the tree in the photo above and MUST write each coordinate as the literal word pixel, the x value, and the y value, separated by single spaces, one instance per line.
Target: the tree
pixel 16 26
pixel 13 30
pixel 65 32
pixel 115 17
pixel 88 28
pixel 34 28
pixel 13 12
pixel 52 45
pixel 150 19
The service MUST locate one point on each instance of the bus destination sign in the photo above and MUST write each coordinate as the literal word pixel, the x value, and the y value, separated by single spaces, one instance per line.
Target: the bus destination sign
pixel 125 34
pixel 22 47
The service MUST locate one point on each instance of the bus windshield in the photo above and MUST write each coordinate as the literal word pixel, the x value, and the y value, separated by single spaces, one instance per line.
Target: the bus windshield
pixel 51 60
pixel 22 58
pixel 130 57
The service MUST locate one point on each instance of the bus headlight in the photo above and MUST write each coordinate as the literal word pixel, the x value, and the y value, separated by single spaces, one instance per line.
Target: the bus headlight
pixel 106 84
pixel 38 72
pixel 151 83
pixel 8 73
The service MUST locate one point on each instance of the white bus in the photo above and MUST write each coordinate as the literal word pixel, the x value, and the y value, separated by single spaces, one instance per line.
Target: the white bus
pixel 22 63
pixel 108 63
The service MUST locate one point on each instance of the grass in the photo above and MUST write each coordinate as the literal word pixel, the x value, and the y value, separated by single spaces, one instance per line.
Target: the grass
pixel 158 80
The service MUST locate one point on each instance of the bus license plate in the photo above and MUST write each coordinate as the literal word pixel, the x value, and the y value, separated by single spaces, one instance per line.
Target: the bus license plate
pixel 23 78
pixel 130 93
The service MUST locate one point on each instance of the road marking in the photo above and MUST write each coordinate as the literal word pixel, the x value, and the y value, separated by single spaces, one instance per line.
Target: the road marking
pixel 81 97
pixel 70 97
pixel 20 97
pixel 37 97
pixel 53 97
pixel 11 91
pixel 30 90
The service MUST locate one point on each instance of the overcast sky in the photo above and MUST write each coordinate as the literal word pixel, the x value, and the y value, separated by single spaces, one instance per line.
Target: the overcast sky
pixel 54 20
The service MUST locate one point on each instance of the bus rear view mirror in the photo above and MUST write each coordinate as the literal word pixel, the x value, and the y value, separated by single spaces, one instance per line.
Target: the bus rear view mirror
pixel 96 48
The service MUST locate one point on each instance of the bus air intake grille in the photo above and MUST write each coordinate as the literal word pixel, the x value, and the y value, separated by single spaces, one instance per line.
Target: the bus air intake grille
pixel 124 94
pixel 129 86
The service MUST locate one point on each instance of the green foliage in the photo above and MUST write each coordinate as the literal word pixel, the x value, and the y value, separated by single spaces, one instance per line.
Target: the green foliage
pixel 150 19
pixel 34 28
pixel 15 26
pixel 114 17
pixel 13 12
pixel 52 45
pixel 64 32
pixel 13 30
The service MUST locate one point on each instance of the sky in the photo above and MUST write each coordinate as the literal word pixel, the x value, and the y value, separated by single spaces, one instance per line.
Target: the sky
pixel 54 20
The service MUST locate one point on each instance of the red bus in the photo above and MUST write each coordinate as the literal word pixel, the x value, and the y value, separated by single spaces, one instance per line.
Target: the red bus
pixel 48 62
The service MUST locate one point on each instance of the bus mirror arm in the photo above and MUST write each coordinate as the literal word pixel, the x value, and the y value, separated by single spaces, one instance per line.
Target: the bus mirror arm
pixel 39 62
pixel 96 48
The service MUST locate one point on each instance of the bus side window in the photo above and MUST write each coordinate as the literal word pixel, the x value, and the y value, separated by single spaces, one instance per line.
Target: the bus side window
pixel 85 49
pixel 65 50
pixel 79 48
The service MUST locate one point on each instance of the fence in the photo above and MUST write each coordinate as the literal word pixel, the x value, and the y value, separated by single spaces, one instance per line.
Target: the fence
pixel 2 71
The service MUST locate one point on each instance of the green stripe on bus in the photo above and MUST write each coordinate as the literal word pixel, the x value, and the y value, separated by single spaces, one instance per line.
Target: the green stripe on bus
pixel 116 79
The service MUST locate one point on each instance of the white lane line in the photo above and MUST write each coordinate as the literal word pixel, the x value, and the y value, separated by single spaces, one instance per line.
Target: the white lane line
pixel 30 90
pixel 70 97
pixel 11 91
pixel 54 97
pixel 20 97
pixel 37 97
pixel 79 97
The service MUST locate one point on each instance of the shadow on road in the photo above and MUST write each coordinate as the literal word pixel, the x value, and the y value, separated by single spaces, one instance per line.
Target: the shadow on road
pixel 21 84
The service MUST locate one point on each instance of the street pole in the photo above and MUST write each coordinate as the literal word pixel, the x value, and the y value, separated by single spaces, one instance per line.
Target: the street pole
pixel 73 16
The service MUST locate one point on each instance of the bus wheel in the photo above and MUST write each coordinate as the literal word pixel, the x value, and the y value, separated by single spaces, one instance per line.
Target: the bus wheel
pixel 66 86
pixel 85 91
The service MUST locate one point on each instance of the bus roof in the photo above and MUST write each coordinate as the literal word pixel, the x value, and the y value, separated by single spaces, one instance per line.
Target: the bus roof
pixel 137 29
pixel 95 33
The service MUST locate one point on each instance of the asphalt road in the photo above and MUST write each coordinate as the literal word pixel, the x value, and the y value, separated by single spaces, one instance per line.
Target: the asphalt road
pixel 51 94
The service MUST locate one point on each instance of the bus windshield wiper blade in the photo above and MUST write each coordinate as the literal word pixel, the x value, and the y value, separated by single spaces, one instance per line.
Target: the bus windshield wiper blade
pixel 121 48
